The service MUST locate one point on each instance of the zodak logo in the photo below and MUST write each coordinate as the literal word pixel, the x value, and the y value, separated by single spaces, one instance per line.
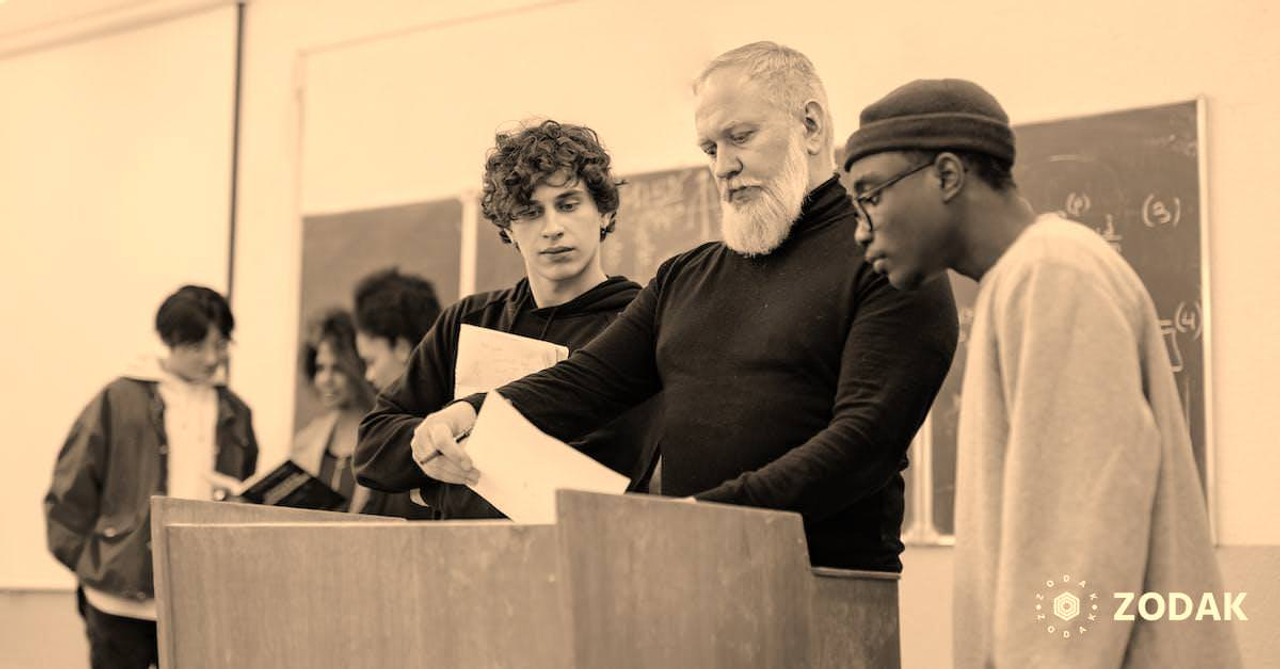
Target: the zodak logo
pixel 1066 607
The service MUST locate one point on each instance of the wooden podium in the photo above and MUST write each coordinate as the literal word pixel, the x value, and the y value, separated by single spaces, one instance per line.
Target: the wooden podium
pixel 618 581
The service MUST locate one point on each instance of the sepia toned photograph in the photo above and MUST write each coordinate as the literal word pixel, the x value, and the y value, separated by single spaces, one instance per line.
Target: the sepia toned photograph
pixel 604 333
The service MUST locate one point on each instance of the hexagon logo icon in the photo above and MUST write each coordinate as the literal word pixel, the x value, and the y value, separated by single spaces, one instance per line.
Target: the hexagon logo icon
pixel 1066 606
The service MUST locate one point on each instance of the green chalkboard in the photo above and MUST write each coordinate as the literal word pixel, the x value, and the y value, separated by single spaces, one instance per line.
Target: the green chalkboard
pixel 498 265
pixel 1135 177
pixel 661 214
pixel 338 250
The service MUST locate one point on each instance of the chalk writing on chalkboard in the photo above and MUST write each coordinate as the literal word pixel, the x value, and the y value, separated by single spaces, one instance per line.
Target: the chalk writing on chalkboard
pixel 1093 199
pixel 661 214
pixel 1157 212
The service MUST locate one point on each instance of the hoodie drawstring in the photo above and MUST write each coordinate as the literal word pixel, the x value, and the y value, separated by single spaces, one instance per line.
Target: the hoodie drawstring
pixel 550 317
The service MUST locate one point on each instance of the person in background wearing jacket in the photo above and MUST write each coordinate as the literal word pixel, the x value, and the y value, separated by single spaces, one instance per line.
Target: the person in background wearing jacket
pixel 156 430
pixel 393 311
pixel 549 191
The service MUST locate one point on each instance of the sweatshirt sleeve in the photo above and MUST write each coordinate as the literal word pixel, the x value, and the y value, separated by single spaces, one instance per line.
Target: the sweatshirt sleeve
pixel 1080 467
pixel 614 372
pixel 71 506
pixel 383 456
pixel 896 354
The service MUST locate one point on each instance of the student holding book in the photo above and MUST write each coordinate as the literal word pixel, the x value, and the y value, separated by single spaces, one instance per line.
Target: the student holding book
pixel 549 191
pixel 158 429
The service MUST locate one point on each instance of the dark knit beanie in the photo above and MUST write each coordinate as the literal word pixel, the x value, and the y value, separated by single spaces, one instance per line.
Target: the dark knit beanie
pixel 933 115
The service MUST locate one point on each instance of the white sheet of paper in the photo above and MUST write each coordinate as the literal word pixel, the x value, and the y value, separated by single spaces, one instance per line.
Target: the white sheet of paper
pixel 490 358
pixel 521 468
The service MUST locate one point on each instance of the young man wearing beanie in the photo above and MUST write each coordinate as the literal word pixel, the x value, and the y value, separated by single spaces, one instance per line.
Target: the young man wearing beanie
pixel 1074 462
pixel 792 377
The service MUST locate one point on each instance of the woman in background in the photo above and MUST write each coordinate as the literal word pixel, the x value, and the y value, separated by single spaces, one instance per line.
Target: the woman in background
pixel 325 445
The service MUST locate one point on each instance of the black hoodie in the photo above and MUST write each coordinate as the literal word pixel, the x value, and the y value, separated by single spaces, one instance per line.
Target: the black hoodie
pixel 383 457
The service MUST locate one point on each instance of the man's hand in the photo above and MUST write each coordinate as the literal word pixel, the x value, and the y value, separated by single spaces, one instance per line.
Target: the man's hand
pixel 435 449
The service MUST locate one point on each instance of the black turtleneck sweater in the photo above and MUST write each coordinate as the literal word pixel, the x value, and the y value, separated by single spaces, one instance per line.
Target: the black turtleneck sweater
pixel 792 381
pixel 383 456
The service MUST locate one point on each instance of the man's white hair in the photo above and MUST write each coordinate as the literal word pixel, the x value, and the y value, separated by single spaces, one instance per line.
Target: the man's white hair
pixel 787 76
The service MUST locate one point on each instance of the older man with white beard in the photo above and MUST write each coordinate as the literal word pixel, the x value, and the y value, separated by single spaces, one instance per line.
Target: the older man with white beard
pixel 793 376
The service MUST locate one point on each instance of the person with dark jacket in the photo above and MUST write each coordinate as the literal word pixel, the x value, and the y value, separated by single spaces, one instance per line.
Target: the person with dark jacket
pixel 549 191
pixel 393 310
pixel 794 376
pixel 157 430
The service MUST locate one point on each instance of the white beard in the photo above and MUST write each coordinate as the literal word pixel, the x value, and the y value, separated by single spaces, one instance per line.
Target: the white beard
pixel 757 227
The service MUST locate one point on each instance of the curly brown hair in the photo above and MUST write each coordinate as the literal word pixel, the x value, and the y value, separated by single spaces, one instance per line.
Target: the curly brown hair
pixel 521 160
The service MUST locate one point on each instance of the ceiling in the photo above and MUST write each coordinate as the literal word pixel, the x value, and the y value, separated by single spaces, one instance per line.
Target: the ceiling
pixel 19 16
pixel 27 25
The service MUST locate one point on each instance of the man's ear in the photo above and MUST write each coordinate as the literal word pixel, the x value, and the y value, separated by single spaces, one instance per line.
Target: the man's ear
pixel 951 174
pixel 815 127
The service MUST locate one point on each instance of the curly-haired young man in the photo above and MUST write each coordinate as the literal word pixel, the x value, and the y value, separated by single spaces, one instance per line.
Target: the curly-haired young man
pixel 549 191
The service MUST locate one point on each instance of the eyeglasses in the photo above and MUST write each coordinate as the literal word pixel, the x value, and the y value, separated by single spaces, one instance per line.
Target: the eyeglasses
pixel 221 346
pixel 872 196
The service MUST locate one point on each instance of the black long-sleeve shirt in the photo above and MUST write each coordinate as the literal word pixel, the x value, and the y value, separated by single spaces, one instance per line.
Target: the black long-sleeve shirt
pixel 383 456
pixel 794 380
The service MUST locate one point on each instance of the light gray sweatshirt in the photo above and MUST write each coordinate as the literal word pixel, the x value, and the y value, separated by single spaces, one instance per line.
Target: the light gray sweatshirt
pixel 1075 473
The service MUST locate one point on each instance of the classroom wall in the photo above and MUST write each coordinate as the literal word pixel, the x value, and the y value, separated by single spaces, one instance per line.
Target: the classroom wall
pixel 115 189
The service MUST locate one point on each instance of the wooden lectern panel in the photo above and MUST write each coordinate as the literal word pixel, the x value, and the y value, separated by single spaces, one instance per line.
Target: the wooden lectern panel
pixel 661 583
pixel 169 510
pixel 620 581
pixel 855 620
pixel 476 594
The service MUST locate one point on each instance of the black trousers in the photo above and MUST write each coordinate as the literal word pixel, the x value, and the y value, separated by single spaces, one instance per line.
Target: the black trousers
pixel 118 642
